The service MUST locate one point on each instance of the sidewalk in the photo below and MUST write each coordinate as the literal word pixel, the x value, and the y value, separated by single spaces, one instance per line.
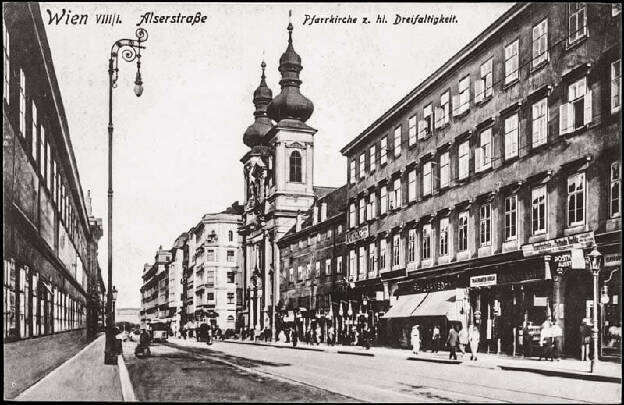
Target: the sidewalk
pixel 568 368
pixel 84 377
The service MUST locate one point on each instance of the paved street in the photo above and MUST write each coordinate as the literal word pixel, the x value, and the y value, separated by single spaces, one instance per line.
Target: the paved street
pixel 188 371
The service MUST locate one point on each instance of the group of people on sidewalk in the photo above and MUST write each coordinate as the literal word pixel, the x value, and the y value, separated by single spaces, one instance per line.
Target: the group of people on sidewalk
pixel 467 337
pixel 349 336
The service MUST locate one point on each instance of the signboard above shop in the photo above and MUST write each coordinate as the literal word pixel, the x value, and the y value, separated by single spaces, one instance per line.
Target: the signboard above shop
pixel 357 234
pixel 579 241
pixel 482 281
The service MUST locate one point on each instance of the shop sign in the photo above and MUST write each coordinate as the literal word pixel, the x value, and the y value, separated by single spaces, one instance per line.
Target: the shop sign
pixel 563 261
pixel 482 281
pixel 579 241
pixel 540 301
pixel 612 260
pixel 357 234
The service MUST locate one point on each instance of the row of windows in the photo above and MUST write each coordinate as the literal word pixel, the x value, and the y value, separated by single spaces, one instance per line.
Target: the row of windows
pixel 210 298
pixel 40 309
pixel 572 114
pixel 305 272
pixel 576 216
pixel 319 237
pixel 211 255
pixel 40 149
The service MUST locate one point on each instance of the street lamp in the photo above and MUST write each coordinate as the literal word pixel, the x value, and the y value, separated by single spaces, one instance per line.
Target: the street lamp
pixel 595 261
pixel 114 304
pixel 130 51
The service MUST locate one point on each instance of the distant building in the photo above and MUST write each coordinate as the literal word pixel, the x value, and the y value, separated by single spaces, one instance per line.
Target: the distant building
pixel 155 290
pixel 130 315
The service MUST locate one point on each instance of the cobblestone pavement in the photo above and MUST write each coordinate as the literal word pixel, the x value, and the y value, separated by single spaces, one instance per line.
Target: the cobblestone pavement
pixel 174 374
pixel 395 379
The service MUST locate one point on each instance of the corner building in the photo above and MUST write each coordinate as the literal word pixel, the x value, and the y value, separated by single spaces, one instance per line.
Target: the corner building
pixel 478 196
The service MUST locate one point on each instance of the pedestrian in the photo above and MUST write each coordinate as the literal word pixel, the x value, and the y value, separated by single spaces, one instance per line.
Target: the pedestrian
pixel 474 336
pixel 415 339
pixel 184 333
pixel 295 337
pixel 585 333
pixel 557 335
pixel 287 334
pixel 330 335
pixel 318 334
pixel 251 334
pixel 526 340
pixel 546 341
pixel 451 341
pixel 435 339
pixel 463 340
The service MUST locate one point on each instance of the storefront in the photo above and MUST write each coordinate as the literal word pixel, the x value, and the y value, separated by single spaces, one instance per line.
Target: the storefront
pixel 611 307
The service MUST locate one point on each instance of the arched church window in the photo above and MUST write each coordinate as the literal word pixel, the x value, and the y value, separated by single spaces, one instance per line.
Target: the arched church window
pixel 295 167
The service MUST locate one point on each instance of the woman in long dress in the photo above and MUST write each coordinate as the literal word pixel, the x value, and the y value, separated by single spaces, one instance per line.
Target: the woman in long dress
pixel 415 339
pixel 474 336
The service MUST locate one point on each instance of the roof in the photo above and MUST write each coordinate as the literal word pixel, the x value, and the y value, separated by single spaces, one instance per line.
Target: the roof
pixel 320 191
pixel 452 62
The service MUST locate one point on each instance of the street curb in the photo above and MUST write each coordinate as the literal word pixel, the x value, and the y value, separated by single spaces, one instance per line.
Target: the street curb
pixel 357 353
pixel 127 392
pixel 277 347
pixel 45 377
pixel 564 374
pixel 434 360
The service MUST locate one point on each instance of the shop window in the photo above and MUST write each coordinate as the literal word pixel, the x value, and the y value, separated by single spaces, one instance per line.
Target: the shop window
pixel 511 136
pixel 538 210
pixel 616 86
pixel 462 230
pixel 426 242
pixel 540 122
pixel 511 61
pixel 485 224
pixel 576 199
pixel 540 43
pixel 511 217
pixel 383 150
pixel 411 246
pixel 22 301
pixel 397 141
pixel 371 159
pixel 445 170
pixel 615 190
pixel 444 236
pixel 411 122
pixel 577 22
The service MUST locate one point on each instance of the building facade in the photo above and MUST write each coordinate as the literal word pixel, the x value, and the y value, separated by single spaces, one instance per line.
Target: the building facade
pixel 49 238
pixel 155 291
pixel 478 195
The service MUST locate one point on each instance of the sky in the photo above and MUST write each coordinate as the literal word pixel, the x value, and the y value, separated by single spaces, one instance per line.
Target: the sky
pixel 177 148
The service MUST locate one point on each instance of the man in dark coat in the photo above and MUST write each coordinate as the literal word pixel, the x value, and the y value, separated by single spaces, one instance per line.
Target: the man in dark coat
pixel 451 341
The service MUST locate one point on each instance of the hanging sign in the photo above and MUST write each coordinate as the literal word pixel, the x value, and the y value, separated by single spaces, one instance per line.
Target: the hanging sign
pixel 481 281
pixel 612 260
pixel 579 241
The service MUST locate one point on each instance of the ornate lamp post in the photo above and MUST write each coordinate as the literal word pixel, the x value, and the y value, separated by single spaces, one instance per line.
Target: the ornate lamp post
pixel 130 51
pixel 595 263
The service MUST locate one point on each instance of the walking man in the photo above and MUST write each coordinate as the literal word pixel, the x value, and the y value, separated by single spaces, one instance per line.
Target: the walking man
pixel 415 339
pixel 435 339
pixel 451 341
pixel 463 340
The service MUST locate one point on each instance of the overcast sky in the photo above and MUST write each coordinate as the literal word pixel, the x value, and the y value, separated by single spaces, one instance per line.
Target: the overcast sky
pixel 177 147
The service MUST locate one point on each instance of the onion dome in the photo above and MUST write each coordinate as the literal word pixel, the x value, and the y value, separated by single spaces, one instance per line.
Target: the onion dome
pixel 261 98
pixel 290 103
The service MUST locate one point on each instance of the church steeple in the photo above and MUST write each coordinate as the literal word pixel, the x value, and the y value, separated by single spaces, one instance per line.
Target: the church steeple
pixel 290 103
pixel 261 98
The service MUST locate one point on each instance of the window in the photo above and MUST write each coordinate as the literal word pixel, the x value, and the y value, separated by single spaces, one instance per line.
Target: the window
pixel 462 229
pixel 339 230
pixel 383 149
pixel 369 214
pixel 511 216
pixel 391 202
pixel 42 143
pixel 210 296
pixel 49 166
pixel 352 172
pixel 299 273
pixel 614 199
pixel 383 199
pixel 318 269
pixel 352 264
pixel 372 257
pixel 210 255
pixel 230 236
pixel 578 111
pixel 540 43
pixel 352 220
pixel 382 254
pixel 362 165
pixel 231 277
pixel 371 159
pixel 308 271
pixel 397 141
pixel 397 192
pixel 411 245
pixel 511 62
pixel 362 218
pixel 371 209
pixel 577 23
pixel 445 111
pixel 444 236
pixel 7 74
pixel 538 210
pixel 328 266
pixel 483 154
pixel 411 185
pixel 362 255
pixel 461 102
pixel 411 122
pixel 445 170
pixel 576 199
pixel 485 224
pixel 426 242
pixel 230 256
pixel 35 132
pixel 22 103
pixel 511 136
pixel 230 298
pixel 483 86
pixel 540 122
pixel 616 86
pixel 396 250
pixel 339 264
pixel 427 179
pixel 295 167
pixel 425 125
pixel 464 159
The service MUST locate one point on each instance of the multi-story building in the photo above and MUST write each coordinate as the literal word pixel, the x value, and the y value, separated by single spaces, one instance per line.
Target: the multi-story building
pixel 312 254
pixel 176 278
pixel 278 184
pixel 214 251
pixel 155 291
pixel 49 238
pixel 481 191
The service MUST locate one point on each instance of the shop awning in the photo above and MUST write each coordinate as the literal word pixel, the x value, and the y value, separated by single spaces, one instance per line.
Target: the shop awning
pixel 405 305
pixel 439 303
